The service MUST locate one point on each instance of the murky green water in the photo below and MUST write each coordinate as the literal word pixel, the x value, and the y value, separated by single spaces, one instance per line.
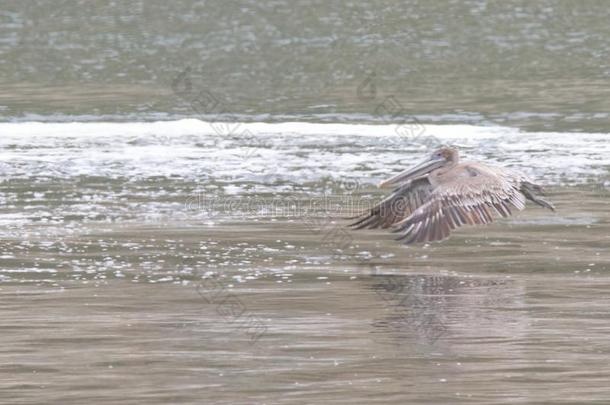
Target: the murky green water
pixel 537 65
pixel 204 260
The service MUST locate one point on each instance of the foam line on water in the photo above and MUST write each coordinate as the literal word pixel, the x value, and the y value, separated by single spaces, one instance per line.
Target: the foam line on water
pixel 268 153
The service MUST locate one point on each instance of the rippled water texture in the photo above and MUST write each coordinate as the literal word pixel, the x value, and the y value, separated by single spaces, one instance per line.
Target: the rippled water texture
pixel 539 65
pixel 160 262
pixel 174 178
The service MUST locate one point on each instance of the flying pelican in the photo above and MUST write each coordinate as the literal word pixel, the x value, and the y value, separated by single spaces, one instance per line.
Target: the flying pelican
pixel 441 194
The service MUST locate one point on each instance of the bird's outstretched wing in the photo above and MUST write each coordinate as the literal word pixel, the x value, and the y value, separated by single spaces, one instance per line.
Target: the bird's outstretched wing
pixel 471 200
pixel 403 201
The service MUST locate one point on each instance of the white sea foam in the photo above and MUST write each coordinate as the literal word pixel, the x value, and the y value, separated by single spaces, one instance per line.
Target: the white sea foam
pixel 285 152
pixel 191 126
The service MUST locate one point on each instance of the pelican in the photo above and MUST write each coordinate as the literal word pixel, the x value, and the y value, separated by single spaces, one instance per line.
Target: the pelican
pixel 441 194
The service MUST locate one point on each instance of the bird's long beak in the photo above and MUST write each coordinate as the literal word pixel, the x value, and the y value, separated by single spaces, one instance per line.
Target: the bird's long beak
pixel 423 168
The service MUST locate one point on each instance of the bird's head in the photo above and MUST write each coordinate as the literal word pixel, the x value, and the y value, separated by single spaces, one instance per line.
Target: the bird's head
pixel 443 156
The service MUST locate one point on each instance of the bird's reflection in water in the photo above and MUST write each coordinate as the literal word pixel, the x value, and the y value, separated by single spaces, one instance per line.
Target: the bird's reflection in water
pixel 427 309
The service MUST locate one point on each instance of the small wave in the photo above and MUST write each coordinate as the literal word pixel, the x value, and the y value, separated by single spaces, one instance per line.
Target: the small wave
pixel 286 152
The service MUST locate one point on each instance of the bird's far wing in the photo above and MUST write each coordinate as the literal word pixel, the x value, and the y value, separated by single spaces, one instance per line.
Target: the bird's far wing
pixel 463 201
pixel 403 201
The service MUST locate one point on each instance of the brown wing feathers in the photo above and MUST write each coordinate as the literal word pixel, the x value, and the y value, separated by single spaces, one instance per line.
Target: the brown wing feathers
pixel 449 207
pixel 397 206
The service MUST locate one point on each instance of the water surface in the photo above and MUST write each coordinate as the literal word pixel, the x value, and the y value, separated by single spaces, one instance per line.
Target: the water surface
pixel 160 262
pixel 173 178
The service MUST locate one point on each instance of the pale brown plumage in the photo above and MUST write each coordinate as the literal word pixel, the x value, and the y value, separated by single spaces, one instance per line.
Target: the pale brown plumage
pixel 442 194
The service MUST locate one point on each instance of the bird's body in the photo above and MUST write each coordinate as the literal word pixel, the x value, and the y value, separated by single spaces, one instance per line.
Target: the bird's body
pixel 441 194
